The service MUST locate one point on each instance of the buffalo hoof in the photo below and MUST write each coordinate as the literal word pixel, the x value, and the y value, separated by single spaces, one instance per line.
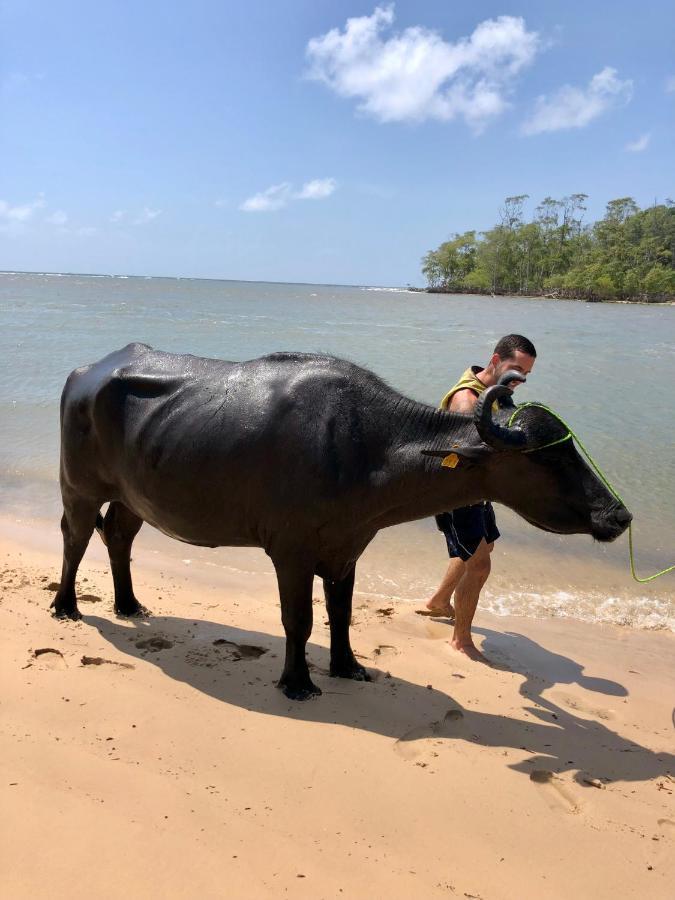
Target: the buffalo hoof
pixel 66 612
pixel 136 611
pixel 303 691
pixel 354 670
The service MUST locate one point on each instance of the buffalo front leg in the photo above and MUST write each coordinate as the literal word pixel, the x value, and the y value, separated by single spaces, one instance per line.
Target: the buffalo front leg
pixel 338 596
pixel 77 526
pixel 295 592
pixel 120 527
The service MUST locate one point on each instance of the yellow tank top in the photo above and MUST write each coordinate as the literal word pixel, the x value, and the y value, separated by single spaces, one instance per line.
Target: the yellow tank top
pixel 468 381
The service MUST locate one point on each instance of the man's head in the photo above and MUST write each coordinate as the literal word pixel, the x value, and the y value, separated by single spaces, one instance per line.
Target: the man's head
pixel 513 351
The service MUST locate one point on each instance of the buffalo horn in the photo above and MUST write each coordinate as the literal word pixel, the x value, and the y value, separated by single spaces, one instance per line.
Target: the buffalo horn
pixel 511 375
pixel 498 436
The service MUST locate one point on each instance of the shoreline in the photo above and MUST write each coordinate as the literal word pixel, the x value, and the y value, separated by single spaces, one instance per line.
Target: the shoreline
pixel 404 565
pixel 657 300
pixel 172 738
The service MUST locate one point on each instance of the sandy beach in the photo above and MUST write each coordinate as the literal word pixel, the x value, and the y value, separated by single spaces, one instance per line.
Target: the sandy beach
pixel 212 222
pixel 156 758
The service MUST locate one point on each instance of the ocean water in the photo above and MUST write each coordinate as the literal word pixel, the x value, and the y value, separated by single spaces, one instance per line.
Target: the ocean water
pixel 607 369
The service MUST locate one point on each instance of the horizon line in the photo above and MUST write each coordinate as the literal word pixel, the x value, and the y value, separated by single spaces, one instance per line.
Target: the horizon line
pixel 197 278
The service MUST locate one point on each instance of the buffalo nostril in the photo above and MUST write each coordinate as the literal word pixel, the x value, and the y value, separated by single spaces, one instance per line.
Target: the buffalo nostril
pixel 622 516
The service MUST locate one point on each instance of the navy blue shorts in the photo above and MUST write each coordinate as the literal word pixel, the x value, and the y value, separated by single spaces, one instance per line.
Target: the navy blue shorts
pixel 466 527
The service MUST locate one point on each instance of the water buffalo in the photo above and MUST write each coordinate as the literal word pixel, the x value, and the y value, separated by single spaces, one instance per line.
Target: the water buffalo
pixel 306 456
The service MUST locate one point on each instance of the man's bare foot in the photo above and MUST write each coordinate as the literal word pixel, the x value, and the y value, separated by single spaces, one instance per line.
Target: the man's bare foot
pixel 434 611
pixel 468 648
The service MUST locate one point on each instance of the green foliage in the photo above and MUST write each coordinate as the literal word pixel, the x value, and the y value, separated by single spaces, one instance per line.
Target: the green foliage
pixel 477 279
pixel 628 253
pixel 660 280
pixel 604 287
pixel 452 262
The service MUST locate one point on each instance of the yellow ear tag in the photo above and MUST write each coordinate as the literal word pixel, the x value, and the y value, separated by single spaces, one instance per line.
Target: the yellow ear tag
pixel 450 461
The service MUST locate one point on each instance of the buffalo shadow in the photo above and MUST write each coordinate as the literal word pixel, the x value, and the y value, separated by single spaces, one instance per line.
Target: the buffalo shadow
pixel 235 672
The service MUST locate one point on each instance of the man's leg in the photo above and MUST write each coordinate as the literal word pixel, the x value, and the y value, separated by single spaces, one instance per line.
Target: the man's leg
pixel 440 604
pixel 467 592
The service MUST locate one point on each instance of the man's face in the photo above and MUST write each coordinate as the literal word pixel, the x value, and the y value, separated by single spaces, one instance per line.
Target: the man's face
pixel 518 361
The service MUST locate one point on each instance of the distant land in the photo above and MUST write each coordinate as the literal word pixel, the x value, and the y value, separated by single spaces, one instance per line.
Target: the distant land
pixel 627 256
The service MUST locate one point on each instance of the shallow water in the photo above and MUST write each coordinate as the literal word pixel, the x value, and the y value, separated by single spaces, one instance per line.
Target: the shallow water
pixel 608 369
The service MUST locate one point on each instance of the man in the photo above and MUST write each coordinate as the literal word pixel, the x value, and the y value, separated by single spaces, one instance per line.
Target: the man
pixel 470 532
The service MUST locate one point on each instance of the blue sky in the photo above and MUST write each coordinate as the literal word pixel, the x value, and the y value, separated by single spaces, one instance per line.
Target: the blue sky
pixel 279 141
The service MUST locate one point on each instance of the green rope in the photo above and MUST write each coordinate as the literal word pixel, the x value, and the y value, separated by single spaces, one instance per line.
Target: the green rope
pixel 601 475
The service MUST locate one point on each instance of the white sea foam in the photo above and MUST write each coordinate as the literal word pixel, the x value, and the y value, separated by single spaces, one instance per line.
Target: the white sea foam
pixel 390 290
pixel 636 612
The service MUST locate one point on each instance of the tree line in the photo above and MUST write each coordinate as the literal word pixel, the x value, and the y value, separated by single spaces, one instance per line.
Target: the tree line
pixel 628 254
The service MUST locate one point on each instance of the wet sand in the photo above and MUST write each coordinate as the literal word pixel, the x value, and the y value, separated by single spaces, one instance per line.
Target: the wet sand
pixel 156 758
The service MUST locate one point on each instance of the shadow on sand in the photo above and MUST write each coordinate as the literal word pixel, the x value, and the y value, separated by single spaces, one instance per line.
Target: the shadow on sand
pixel 542 668
pixel 240 668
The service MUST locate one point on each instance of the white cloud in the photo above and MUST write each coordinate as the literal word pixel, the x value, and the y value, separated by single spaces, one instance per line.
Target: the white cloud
pixel 86 231
pixel 59 218
pixel 639 145
pixel 14 220
pixel 574 107
pixel 316 189
pixel 280 195
pixel 413 75
pixel 118 215
pixel 147 215
pixel 275 197
pixel 670 85
pixel 21 213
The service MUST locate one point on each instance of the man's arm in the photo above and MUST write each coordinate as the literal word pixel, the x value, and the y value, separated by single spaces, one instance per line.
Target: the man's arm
pixel 463 401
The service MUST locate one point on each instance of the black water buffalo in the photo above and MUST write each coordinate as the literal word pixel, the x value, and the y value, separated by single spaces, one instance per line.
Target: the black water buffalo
pixel 306 456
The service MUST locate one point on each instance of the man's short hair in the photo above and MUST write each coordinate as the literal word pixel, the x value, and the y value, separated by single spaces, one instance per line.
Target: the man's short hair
pixel 508 345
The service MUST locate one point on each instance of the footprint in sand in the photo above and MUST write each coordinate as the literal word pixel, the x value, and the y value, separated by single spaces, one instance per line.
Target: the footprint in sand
pixel 48 658
pixel 556 794
pixel 576 705
pixel 155 644
pixel 418 741
pixel 225 651
pixel 240 651
pixel 384 650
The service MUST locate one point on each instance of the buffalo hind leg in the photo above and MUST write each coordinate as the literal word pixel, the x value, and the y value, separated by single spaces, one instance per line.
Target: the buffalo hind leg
pixel 77 526
pixel 338 596
pixel 295 592
pixel 120 527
